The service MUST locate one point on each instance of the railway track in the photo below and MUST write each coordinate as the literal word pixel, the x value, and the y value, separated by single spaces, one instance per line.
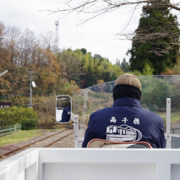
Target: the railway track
pixel 45 141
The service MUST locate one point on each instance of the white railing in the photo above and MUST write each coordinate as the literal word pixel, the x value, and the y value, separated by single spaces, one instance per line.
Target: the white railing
pixel 88 164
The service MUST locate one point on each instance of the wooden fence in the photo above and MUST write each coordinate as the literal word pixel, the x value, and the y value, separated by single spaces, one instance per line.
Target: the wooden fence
pixel 9 129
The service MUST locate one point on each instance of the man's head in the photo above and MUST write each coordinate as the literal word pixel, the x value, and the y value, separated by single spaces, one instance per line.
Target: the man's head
pixel 127 85
pixel 128 79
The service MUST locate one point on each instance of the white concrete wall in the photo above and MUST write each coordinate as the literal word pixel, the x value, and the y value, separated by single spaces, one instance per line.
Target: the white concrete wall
pixel 22 166
pixel 96 164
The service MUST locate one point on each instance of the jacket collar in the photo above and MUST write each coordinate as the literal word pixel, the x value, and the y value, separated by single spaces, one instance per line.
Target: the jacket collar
pixel 127 101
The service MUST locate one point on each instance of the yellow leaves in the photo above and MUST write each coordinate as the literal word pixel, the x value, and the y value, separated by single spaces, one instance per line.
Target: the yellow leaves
pixel 4 85
pixel 100 81
pixel 167 72
pixel 175 70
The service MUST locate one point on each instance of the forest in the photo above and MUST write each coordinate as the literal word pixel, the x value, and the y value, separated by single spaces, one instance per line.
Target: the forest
pixel 155 51
pixel 29 58
pixel 23 54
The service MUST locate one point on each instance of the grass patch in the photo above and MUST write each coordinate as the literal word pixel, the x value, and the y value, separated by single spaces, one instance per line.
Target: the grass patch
pixel 175 116
pixel 20 136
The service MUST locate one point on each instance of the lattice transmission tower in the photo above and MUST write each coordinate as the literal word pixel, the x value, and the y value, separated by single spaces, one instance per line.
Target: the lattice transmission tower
pixel 57 36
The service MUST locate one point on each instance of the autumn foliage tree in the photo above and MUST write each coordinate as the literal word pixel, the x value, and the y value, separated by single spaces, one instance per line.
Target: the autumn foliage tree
pixel 22 53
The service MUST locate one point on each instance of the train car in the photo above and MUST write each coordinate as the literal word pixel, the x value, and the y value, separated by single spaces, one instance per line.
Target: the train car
pixel 161 95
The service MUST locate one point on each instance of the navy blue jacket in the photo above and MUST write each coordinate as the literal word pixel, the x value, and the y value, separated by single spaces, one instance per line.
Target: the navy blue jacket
pixel 126 121
pixel 66 114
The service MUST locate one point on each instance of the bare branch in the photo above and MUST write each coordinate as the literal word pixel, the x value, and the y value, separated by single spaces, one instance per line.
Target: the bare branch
pixel 102 5
pixel 99 7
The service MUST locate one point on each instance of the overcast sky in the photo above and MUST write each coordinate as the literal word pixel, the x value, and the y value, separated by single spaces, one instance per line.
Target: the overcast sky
pixel 97 36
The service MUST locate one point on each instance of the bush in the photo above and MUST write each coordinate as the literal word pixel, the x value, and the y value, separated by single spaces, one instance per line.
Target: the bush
pixel 155 90
pixel 25 116
pixel 29 119
pixel 46 112
pixel 27 124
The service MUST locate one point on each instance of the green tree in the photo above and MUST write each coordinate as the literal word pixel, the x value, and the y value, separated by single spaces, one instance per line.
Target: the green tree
pixel 156 42
pixel 86 70
pixel 124 65
pixel 155 90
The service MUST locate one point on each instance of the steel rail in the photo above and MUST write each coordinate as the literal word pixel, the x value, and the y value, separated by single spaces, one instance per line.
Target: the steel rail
pixel 59 139
pixel 27 145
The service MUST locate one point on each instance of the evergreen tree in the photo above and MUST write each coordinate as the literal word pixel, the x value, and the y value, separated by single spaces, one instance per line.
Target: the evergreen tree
pixel 124 65
pixel 156 43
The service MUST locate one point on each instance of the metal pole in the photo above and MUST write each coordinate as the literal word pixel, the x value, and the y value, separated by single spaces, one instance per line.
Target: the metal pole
pixel 30 86
pixel 4 72
pixel 75 120
pixel 76 127
pixel 168 123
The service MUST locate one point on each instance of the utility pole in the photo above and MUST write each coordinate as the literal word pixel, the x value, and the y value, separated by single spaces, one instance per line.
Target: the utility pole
pixel 30 87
